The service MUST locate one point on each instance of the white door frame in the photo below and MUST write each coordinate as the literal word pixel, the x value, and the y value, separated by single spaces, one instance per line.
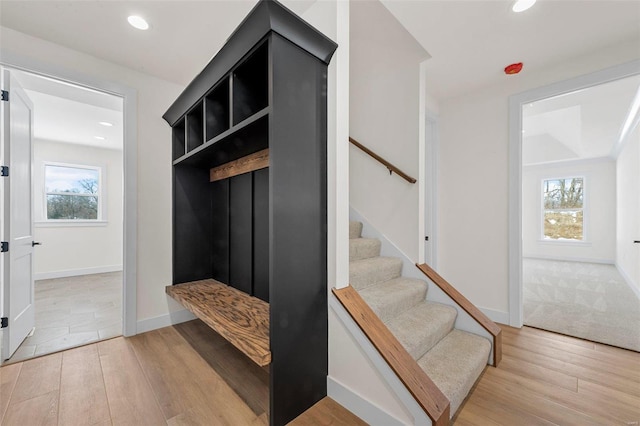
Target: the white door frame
pixel 430 189
pixel 130 153
pixel 427 174
pixel 515 166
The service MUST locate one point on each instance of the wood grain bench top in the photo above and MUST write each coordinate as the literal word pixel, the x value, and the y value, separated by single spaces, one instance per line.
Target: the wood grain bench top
pixel 241 319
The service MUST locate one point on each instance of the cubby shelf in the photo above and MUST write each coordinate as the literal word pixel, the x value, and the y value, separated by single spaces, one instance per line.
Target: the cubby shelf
pixel 202 153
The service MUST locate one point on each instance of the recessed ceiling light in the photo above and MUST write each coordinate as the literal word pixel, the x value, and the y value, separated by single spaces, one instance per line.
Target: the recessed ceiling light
pixel 522 5
pixel 138 22
pixel 100 138
pixel 106 124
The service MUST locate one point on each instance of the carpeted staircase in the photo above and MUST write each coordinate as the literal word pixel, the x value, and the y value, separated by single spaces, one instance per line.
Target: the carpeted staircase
pixel 452 358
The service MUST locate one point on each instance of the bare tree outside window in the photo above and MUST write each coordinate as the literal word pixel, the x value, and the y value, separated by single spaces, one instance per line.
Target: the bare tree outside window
pixel 72 192
pixel 563 208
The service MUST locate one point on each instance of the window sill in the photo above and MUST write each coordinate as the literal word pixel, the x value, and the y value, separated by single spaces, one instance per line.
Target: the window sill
pixel 70 223
pixel 565 243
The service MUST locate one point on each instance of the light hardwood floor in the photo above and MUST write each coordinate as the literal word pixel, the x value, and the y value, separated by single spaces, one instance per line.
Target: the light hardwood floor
pixel 546 378
pixel 73 311
pixel 187 374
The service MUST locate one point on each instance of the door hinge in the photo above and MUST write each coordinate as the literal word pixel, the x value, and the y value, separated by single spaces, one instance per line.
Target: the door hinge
pixel 5 322
pixel 4 246
pixel 4 171
pixel 5 96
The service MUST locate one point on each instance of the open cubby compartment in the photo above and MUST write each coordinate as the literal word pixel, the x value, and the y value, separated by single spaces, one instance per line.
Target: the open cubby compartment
pixel 251 84
pixel 250 138
pixel 195 127
pixel 178 139
pixel 216 110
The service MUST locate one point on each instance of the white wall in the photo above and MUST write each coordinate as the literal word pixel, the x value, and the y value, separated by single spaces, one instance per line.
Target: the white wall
pixel 348 365
pixel 154 158
pixel 72 249
pixel 599 207
pixel 384 116
pixel 628 210
pixel 473 177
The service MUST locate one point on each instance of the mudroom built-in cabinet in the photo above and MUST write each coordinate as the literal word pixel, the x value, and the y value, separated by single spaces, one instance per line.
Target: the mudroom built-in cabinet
pixel 250 200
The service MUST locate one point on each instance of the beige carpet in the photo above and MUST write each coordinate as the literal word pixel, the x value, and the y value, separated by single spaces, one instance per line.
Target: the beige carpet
pixel 586 300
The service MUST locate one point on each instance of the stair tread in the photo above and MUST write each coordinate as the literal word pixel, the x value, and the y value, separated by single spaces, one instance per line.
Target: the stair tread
pixel 420 328
pixel 367 272
pixel 390 298
pixel 363 248
pixel 455 363
pixel 355 229
pixel 241 319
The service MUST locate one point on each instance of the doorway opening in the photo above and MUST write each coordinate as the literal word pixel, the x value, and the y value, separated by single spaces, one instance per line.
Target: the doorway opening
pixel 577 180
pixel 77 189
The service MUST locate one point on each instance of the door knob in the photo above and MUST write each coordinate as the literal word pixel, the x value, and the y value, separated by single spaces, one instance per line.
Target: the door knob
pixel 35 243
pixel 636 241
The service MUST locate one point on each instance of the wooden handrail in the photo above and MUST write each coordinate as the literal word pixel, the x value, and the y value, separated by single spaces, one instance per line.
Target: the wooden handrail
pixel 421 387
pixel 388 165
pixel 469 308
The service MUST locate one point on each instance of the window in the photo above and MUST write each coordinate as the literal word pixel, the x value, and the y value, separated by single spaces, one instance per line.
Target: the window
pixel 563 201
pixel 72 192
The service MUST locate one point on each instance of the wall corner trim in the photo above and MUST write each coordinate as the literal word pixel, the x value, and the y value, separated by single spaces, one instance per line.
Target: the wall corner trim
pixel 500 317
pixel 361 407
pixel 166 320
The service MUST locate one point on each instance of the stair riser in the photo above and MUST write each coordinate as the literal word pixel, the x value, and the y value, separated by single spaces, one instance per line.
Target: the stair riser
pixel 389 300
pixel 423 327
pixel 355 229
pixel 386 313
pixel 363 249
pixel 375 275
pixel 455 364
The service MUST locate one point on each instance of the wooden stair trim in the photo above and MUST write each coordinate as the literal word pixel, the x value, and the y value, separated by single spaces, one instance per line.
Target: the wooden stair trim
pixel 421 387
pixel 252 162
pixel 241 319
pixel 469 308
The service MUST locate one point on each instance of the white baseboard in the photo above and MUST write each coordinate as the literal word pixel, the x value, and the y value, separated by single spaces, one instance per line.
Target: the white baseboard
pixel 630 282
pixel 76 272
pixel 496 316
pixel 166 320
pixel 359 406
pixel 569 259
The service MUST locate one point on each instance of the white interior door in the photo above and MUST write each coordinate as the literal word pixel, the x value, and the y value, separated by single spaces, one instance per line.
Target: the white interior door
pixel 17 116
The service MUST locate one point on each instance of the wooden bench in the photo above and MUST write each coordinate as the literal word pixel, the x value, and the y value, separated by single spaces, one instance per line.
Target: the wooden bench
pixel 241 319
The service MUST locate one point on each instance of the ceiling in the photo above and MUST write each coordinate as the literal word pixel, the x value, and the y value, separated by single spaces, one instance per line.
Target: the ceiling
pixel 183 37
pixel 71 114
pixel 579 125
pixel 470 41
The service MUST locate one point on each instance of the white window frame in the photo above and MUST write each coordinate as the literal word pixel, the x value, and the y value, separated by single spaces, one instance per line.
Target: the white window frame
pixel 101 194
pixel 553 241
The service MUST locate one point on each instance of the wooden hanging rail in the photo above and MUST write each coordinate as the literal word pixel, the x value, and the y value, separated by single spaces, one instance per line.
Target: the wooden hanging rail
pixel 421 387
pixel 469 308
pixel 256 161
pixel 388 165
